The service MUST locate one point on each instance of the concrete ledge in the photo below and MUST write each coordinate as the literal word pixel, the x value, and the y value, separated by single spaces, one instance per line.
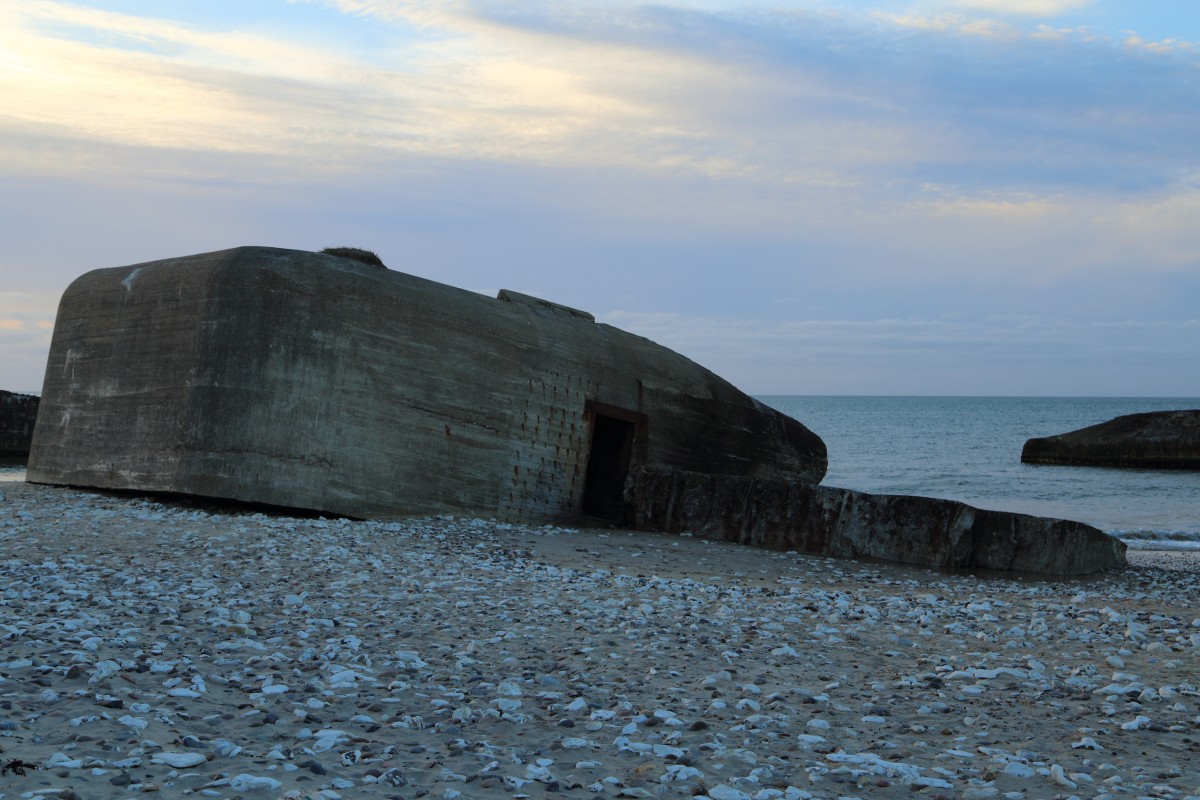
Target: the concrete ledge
pixel 823 520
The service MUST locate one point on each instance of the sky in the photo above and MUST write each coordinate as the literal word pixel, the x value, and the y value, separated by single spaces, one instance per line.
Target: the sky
pixel 918 197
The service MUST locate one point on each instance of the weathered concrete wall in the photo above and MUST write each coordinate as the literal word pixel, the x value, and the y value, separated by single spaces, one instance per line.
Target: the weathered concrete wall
pixel 301 379
pixel 18 412
pixel 1153 440
pixel 822 520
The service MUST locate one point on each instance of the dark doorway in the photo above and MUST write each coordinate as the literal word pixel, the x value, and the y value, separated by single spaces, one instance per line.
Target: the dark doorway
pixel 608 466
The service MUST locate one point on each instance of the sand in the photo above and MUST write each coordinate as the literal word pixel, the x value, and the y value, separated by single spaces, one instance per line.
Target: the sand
pixel 183 650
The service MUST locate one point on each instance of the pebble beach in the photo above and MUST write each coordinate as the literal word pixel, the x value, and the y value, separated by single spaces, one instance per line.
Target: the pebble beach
pixel 169 648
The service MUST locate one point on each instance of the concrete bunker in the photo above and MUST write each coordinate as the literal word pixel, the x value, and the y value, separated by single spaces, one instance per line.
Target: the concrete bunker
pixel 311 381
pixel 305 380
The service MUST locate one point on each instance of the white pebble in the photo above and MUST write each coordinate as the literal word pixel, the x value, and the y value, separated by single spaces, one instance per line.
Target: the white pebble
pixel 251 783
pixel 178 760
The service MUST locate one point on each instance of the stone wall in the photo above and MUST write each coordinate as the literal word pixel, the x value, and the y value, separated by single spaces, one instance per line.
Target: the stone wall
pixel 822 520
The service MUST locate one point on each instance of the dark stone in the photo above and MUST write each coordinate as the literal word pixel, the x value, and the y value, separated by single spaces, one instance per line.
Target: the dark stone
pixel 393 777
pixel 1152 440
pixel 822 520
pixel 18 413
pixel 310 381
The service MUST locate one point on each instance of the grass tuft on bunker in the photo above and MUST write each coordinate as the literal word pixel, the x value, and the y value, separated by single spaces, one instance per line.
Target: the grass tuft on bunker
pixel 355 254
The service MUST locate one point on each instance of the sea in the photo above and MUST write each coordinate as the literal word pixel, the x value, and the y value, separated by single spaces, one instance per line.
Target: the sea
pixel 969 449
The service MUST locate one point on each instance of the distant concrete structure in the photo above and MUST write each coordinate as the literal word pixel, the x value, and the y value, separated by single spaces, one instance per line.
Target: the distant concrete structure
pixel 310 381
pixel 18 412
pixel 1150 440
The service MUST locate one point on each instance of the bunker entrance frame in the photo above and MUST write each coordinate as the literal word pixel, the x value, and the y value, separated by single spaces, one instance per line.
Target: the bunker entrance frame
pixel 618 435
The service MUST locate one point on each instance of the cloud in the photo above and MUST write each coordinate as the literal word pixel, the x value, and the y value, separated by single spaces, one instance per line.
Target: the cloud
pixel 76 75
pixel 801 100
pixel 1033 8
pixel 756 163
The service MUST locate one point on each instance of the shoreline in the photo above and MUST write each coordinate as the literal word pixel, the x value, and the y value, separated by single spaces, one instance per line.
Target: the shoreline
pixel 1189 560
pixel 1176 560
pixel 174 648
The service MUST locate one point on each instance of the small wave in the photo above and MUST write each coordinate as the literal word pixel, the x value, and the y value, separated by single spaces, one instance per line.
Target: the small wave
pixel 12 474
pixel 1159 540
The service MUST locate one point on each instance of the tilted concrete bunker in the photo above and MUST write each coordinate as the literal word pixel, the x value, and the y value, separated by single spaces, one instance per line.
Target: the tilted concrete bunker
pixel 305 380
